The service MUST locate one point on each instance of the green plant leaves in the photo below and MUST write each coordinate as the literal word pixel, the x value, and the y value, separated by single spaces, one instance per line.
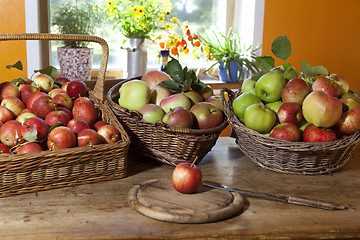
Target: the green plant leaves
pixel 309 73
pixel 175 70
pixel 281 47
pixel 265 63
pixel 50 70
pixel 17 65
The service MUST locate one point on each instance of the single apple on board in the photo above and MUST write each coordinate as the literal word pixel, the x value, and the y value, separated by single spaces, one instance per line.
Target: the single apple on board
pixel 295 91
pixel 269 87
pixel 290 112
pixel 322 110
pixel 158 93
pixel 9 89
pixel 327 86
pixel 179 117
pixel 186 177
pixel 134 94
pixel 61 137
pixel 243 101
pixel 151 113
pixel 248 86
pixel 44 82
pixel 342 81
pixel 206 115
pixel 154 77
pixel 259 118
pixel 317 134
pixel 286 131
pixel 175 100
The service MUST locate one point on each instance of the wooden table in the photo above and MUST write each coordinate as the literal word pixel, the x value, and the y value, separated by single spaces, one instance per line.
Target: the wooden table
pixel 100 210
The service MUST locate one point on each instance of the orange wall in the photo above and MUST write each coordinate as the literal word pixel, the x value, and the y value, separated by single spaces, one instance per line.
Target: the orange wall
pixel 12 19
pixel 322 32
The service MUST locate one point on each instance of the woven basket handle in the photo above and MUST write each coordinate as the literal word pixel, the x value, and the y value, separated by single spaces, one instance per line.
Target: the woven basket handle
pixel 99 86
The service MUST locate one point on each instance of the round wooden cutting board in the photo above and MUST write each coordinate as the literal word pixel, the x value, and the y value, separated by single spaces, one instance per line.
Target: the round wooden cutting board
pixel 159 200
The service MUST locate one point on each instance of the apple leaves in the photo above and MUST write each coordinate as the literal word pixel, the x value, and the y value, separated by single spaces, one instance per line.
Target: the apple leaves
pixel 181 78
pixel 281 47
pixel 309 73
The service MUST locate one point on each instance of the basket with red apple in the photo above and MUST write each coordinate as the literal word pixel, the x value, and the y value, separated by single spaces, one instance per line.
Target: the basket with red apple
pixel 164 124
pixel 45 146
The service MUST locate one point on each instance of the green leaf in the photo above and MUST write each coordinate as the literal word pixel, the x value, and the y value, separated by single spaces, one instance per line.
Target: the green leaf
pixel 286 66
pixel 17 65
pixel 31 136
pixel 58 123
pixel 18 80
pixel 173 86
pixel 265 63
pixel 198 86
pixel 309 73
pixel 49 70
pixel 319 70
pixel 175 70
pixel 281 47
pixel 305 68
pixel 258 75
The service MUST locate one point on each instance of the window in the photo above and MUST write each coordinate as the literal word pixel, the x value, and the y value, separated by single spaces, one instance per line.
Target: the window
pixel 245 15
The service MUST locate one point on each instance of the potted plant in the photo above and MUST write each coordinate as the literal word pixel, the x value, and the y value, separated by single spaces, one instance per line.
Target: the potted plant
pixel 76 17
pixel 236 61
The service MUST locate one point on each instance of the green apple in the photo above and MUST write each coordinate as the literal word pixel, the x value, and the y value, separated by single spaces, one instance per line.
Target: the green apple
pixel 243 101
pixel 275 105
pixel 248 86
pixel 259 118
pixel 134 94
pixel 269 87
pixel 151 113
pixel 303 125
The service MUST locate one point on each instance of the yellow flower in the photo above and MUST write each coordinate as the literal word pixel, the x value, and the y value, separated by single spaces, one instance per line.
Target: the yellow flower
pixel 185 25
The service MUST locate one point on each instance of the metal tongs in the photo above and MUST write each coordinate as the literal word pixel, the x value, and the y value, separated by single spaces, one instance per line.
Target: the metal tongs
pixel 287 199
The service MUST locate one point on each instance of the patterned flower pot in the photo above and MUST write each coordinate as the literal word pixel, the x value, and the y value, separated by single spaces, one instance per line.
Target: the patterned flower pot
pixel 76 63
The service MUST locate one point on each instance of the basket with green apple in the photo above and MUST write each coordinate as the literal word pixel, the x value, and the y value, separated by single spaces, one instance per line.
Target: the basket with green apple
pixel 302 123
pixel 172 117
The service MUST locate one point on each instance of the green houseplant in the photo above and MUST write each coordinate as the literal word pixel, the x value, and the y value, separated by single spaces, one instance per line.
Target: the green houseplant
pixel 76 17
pixel 235 60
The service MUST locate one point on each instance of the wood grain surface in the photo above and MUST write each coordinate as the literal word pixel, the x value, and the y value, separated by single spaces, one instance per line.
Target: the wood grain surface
pixel 101 210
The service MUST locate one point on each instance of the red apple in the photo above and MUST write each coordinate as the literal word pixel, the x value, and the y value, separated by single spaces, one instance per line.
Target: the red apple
pixel 175 100
pixel 109 133
pixel 24 116
pixel 178 117
pixel 85 109
pixel 206 115
pixel 317 134
pixel 99 124
pixel 290 112
pixel 81 99
pixel 340 80
pixel 349 122
pixel 295 91
pixel 63 100
pixel 322 110
pixel 159 93
pixel 28 147
pixel 55 91
pixel 64 86
pixel 4 149
pixel 31 99
pixel 26 91
pixel 216 100
pixel 206 92
pixel 76 89
pixel 151 113
pixel 61 137
pixel 186 177
pixel 194 97
pixel 9 89
pixel 77 125
pixel 43 105
pixel 5 114
pixel 88 137
pixel 14 104
pixel 67 111
pixel 286 131
pixel 327 86
pixel 57 117
pixel 34 129
pixel 154 77
pixel 10 133
pixel 62 80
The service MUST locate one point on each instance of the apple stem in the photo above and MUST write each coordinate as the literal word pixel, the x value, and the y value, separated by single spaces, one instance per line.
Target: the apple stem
pixel 193 163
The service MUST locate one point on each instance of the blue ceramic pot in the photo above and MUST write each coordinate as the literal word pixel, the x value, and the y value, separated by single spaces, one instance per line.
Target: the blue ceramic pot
pixel 229 73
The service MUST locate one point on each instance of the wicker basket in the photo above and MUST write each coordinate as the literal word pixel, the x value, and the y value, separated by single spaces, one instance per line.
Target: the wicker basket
pixel 47 170
pixel 167 144
pixel 284 156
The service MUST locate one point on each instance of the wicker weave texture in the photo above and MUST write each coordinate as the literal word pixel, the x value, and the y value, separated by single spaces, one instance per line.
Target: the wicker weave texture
pixel 168 145
pixel 33 172
pixel 284 156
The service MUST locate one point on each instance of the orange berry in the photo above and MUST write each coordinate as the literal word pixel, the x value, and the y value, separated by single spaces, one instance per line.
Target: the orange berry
pixel 183 42
pixel 189 37
pixel 197 44
pixel 174 51
pixel 186 51
pixel 162 45
pixel 188 32
pixel 196 37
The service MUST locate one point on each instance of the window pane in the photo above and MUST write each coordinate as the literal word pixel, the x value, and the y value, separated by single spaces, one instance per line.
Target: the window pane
pixel 202 15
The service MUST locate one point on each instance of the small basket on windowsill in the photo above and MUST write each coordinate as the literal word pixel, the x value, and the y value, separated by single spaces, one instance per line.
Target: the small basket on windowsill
pixel 284 156
pixel 169 145
pixel 46 170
